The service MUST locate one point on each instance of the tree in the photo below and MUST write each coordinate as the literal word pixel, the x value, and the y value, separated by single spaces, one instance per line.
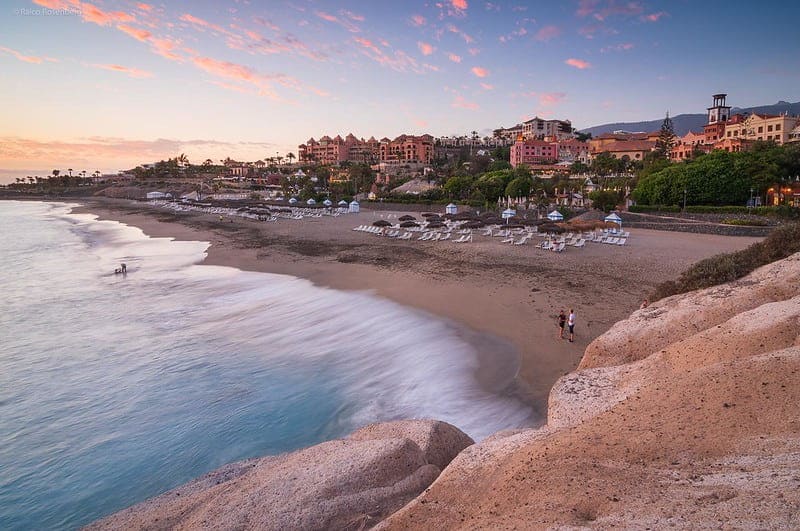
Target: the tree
pixel 583 137
pixel 578 167
pixel 56 173
pixel 605 200
pixel 666 138
pixel 458 187
pixel 290 156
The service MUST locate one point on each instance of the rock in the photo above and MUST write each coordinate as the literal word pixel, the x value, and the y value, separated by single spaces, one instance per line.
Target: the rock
pixel 351 483
pixel 439 441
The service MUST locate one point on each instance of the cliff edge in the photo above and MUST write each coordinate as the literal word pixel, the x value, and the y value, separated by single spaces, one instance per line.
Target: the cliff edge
pixel 684 415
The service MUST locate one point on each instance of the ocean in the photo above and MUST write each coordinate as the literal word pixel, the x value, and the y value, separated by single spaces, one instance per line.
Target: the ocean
pixel 114 388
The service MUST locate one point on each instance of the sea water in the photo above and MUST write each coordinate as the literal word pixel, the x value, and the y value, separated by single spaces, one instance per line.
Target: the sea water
pixel 114 388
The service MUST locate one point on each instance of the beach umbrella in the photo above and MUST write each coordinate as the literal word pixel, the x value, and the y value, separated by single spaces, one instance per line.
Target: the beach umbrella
pixel 613 218
pixel 429 214
pixel 407 224
pixel 435 225
pixel 407 218
pixel 327 202
pixel 342 203
pixel 382 223
pixel 508 213
pixel 293 201
pixel 555 215
pixel 311 202
pixel 354 207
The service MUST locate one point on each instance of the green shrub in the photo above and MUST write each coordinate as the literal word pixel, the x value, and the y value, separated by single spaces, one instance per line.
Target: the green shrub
pixel 745 222
pixel 782 242
pixel 654 208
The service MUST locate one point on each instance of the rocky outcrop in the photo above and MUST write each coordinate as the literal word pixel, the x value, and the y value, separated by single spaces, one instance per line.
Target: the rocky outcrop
pixel 344 484
pixel 683 415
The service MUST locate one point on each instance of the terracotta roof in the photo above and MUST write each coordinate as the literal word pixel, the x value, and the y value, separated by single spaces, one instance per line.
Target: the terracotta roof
pixel 628 145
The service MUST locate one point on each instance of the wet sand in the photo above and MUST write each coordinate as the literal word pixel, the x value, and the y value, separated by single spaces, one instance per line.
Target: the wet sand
pixel 513 293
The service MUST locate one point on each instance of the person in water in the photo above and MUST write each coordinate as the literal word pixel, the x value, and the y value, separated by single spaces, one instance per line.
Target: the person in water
pixel 123 268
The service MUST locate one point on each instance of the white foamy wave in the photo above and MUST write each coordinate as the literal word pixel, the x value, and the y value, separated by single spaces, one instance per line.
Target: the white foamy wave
pixel 387 361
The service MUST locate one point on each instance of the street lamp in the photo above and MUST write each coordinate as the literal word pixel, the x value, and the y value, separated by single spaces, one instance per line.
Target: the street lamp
pixel 751 204
pixel 684 199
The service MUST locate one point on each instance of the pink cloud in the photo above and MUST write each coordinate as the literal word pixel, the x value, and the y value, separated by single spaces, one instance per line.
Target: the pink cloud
pixel 547 33
pixel 94 14
pixel 326 16
pixel 132 72
pixel 144 7
pixel 452 28
pixel 199 22
pixel 474 51
pixel 164 47
pixel 418 20
pixel 487 86
pixel 353 16
pixel 580 64
pixel 136 33
pixel 551 98
pixel 479 71
pixel 399 60
pixel 453 57
pixel 654 17
pixel 266 23
pixel 27 58
pixel 425 48
pixel 460 103
pixel 460 4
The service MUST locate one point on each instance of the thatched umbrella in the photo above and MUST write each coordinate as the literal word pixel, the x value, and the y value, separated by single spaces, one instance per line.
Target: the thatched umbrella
pixel 407 224
pixel 435 225
pixel 429 214
pixel 382 223
pixel 407 218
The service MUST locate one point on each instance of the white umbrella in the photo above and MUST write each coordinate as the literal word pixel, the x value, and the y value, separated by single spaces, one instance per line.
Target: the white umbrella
pixel 614 218
pixel 555 215
pixel 327 202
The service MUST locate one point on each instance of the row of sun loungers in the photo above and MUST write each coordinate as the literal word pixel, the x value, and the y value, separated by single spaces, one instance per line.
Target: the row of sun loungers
pixel 509 236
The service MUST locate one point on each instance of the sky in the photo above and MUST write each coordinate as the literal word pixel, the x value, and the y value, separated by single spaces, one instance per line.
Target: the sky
pixel 110 84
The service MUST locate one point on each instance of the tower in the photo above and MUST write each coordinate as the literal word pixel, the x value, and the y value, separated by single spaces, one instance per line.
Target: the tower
pixel 719 112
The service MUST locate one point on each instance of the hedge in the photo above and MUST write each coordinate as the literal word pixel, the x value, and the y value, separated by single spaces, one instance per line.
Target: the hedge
pixel 782 211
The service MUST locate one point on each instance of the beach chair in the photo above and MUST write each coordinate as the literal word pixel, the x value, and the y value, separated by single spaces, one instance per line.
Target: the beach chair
pixel 622 241
pixel 546 245
pixel 580 243
pixel 445 237
pixel 425 236
pixel 521 241
pixel 560 247
pixel 461 239
pixel 436 237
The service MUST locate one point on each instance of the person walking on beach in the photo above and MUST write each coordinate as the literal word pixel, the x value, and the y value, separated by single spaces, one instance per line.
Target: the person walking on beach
pixel 562 319
pixel 571 323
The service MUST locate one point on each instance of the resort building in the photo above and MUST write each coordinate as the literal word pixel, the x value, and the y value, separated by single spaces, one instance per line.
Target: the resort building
pixel 533 151
pixel 689 144
pixel 767 127
pixel 623 145
pixel 572 151
pixel 536 129
pixel 334 151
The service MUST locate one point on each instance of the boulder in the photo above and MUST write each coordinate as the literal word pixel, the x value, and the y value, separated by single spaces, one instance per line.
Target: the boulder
pixel 350 483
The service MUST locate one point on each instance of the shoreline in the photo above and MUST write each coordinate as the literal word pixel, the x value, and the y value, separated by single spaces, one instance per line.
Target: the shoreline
pixel 510 294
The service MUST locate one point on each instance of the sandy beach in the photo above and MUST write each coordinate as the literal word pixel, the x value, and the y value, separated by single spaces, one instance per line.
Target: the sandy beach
pixel 513 293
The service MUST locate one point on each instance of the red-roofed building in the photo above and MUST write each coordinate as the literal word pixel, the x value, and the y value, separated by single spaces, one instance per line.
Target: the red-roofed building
pixel 532 152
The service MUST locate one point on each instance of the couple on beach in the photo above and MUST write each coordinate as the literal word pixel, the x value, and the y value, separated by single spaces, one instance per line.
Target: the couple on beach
pixel 569 321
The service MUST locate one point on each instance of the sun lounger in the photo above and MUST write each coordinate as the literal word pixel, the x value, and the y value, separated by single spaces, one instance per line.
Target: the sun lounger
pixel 546 245
pixel 521 241
pixel 622 241
pixel 445 237
pixel 559 248
pixel 580 243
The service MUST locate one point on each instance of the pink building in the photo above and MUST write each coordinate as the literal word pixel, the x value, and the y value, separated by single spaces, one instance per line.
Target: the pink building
pixel 531 152
pixel 407 149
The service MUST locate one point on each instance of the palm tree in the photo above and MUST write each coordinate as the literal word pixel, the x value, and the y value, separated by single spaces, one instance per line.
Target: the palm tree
pixel 56 172
pixel 70 171
pixel 290 156
pixel 280 159
pixel 208 162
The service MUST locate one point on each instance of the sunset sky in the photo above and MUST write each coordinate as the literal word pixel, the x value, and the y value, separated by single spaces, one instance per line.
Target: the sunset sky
pixel 110 84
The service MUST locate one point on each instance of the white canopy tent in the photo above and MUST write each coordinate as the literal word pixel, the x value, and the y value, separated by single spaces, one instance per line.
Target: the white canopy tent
pixel 311 202
pixel 293 201
pixel 354 207
pixel 342 203
pixel 327 202
pixel 451 209
pixel 614 218
pixel 555 215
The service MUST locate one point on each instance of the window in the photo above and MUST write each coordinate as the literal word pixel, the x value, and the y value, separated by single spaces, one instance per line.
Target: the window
pixel 777 127
pixel 736 133
pixel 760 129
pixel 729 133
pixel 769 128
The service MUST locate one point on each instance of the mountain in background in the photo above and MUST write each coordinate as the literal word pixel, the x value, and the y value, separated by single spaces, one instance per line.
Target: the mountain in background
pixel 683 123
